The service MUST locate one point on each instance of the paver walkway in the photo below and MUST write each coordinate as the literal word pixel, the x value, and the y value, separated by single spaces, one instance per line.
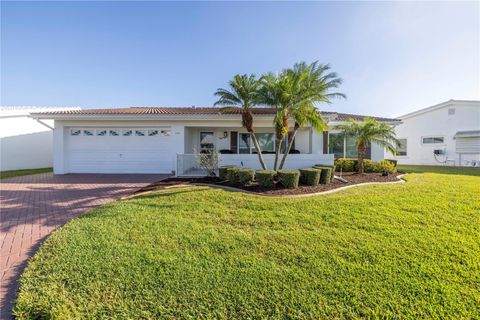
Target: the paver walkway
pixel 31 207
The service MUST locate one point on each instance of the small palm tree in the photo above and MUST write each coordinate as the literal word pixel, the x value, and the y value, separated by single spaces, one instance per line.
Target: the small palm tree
pixel 368 132
pixel 243 93
pixel 313 85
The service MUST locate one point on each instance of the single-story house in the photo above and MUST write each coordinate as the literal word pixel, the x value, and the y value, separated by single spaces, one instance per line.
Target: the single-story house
pixel 167 140
pixel 447 133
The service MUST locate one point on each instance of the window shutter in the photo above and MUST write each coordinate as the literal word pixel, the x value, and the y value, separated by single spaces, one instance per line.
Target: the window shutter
pixel 233 141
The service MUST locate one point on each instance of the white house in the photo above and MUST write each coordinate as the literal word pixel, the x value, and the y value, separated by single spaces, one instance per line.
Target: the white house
pixel 25 143
pixel 165 140
pixel 444 134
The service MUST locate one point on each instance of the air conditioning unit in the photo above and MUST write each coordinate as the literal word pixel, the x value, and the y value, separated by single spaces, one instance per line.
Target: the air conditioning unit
pixel 438 151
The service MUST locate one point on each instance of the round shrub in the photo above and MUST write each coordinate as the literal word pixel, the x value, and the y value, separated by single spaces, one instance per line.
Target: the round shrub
pixel 265 178
pixel 289 178
pixel 222 172
pixel 371 166
pixel 392 161
pixel 232 175
pixel 388 166
pixel 244 176
pixel 310 176
pixel 346 164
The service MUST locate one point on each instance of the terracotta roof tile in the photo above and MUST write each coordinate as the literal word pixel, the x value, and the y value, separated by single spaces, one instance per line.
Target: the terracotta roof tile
pixel 195 111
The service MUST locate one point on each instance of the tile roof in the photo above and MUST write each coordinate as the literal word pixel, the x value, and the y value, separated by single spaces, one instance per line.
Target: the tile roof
pixel 195 111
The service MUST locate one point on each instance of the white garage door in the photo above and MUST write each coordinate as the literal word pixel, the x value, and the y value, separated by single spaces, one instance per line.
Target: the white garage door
pixel 119 150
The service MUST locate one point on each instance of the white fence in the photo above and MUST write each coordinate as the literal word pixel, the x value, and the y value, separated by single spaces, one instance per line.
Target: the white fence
pixel 188 164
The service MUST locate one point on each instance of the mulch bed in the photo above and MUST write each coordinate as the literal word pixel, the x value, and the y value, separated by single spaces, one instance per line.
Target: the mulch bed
pixel 352 178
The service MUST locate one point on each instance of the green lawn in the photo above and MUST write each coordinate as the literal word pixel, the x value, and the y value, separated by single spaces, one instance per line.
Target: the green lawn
pixel 26 172
pixel 402 251
pixel 440 169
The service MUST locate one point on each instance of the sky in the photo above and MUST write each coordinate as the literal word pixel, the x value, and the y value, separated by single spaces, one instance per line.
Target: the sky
pixel 393 57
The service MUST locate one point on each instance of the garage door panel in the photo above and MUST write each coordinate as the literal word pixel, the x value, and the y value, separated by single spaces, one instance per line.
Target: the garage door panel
pixel 119 154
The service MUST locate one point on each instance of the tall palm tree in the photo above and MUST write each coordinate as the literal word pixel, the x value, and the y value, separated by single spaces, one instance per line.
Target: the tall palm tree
pixel 313 86
pixel 244 94
pixel 276 91
pixel 368 132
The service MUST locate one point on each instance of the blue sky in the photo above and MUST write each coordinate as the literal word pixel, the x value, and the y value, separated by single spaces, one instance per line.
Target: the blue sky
pixel 394 57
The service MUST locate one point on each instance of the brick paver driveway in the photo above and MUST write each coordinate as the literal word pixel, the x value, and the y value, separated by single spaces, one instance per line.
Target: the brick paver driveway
pixel 33 206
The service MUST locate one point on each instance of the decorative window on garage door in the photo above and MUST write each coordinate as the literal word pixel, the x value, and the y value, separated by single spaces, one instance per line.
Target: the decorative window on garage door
pixel 75 132
pixel 127 133
pixel 101 132
pixel 114 132
pixel 88 132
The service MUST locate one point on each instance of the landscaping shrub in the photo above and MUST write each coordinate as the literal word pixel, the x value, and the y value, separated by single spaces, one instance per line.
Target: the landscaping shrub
pixel 289 178
pixel 326 175
pixel 222 172
pixel 327 166
pixel 310 176
pixel 346 164
pixel 232 175
pixel 244 176
pixel 265 178
pixel 371 166
pixel 392 161
pixel 387 165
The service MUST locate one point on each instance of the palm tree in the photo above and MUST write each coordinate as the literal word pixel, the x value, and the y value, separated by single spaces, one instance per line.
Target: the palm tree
pixel 276 91
pixel 313 86
pixel 368 132
pixel 243 93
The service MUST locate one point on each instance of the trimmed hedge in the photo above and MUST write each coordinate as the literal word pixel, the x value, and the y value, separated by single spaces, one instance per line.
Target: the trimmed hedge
pixel 265 178
pixel 327 166
pixel 346 164
pixel 232 175
pixel 310 176
pixel 244 176
pixel 326 175
pixel 222 172
pixel 289 178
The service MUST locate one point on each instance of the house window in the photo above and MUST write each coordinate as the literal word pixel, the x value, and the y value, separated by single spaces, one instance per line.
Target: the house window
pixel 101 132
pixel 351 150
pixel 152 133
pixel 432 140
pixel 266 142
pixel 127 133
pixel 402 148
pixel 336 144
pixel 87 132
pixel 140 133
pixel 75 132
pixel 207 140
pixel 114 132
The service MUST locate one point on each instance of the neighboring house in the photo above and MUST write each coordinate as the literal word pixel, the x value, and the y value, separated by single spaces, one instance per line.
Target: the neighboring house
pixel 24 142
pixel 165 140
pixel 444 134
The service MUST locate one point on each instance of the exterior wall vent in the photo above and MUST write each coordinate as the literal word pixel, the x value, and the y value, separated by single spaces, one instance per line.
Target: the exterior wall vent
pixel 451 111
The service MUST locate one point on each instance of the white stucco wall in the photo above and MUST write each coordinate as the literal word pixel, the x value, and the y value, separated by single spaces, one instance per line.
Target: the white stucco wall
pixel 185 134
pixel 24 142
pixel 438 122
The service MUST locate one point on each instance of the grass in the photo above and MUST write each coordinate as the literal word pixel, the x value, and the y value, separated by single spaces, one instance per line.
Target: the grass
pixel 471 171
pixel 385 251
pixel 25 172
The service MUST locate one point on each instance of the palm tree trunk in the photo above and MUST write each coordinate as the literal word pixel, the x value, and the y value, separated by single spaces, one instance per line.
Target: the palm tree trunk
pixel 277 152
pixel 361 157
pixel 290 144
pixel 247 123
pixel 259 152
